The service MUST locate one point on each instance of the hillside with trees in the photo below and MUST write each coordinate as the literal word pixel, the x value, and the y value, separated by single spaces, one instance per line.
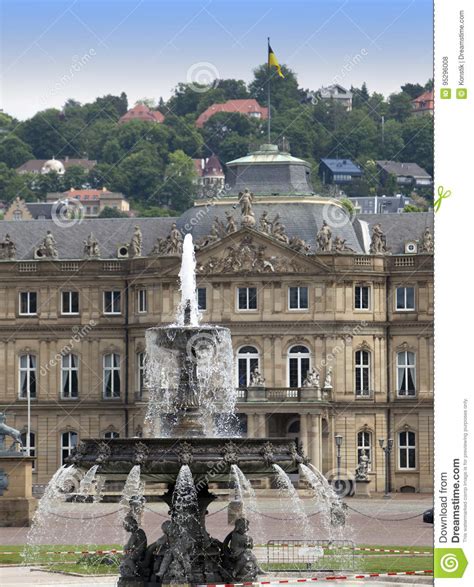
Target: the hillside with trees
pixel 152 163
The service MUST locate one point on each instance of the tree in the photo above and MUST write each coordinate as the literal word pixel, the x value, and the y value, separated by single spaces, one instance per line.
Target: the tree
pixel 413 90
pixel 285 92
pixel 400 106
pixel 14 151
pixel 417 134
pixel 43 134
pixel 347 204
pixel 393 142
pixel 108 212
pixel 75 177
pixel 411 208
pixel 360 96
pixel 13 185
pixel 224 125
pixel 179 187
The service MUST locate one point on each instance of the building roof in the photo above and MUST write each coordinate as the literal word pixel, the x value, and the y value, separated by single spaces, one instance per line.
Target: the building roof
pixel 269 171
pixel 35 165
pixel 213 167
pixel 425 97
pixel 398 228
pixel 380 204
pixel 40 209
pixel 335 91
pixel 142 112
pixel 246 106
pixel 398 168
pixel 342 166
pixel 85 194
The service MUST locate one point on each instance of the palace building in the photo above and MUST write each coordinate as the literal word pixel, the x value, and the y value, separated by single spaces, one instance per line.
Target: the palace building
pixel 331 318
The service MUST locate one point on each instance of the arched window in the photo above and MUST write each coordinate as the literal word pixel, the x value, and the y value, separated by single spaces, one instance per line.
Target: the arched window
pixel 298 365
pixel 111 376
pixel 27 376
pixel 364 442
pixel 111 434
pixel 247 361
pixel 362 373
pixel 69 377
pixel 407 450
pixel 406 373
pixel 68 444
pixel 30 450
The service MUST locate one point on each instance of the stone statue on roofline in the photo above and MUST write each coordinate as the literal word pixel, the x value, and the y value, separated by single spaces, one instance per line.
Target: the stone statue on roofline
pixel 378 243
pixel 324 238
pixel 230 226
pixel 48 247
pixel 91 247
pixel 264 223
pixel 136 243
pixel 256 378
pixel 427 244
pixel 7 248
pixel 246 202
pixel 312 379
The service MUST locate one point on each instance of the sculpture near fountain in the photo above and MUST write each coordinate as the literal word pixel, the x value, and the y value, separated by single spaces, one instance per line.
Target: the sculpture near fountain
pixel 192 396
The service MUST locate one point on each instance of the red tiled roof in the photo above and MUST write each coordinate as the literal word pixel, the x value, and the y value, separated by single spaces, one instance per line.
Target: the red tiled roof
pixel 142 112
pixel 213 166
pixel 247 106
pixel 424 102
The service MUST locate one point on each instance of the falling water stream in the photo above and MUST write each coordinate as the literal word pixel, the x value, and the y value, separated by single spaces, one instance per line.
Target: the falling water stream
pixel 290 501
pixel 245 494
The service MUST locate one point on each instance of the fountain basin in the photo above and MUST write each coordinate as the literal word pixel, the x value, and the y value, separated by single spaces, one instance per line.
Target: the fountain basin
pixel 209 459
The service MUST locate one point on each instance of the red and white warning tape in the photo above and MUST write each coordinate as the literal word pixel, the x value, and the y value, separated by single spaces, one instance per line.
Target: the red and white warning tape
pixel 312 579
pixel 72 552
pixel 392 550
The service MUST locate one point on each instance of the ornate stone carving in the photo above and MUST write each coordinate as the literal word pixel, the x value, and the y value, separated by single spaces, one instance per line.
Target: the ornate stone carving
pixel 378 243
pixel 185 453
pixel 7 248
pixel 247 257
pixel 312 379
pixel 243 563
pixel 91 247
pixel 134 550
pixel 324 238
pixel 103 454
pixel 299 245
pixel 362 470
pixel 267 454
pixel 246 201
pixel 136 243
pixel 13 433
pixel 171 245
pixel 256 378
pixel 47 248
pixel 427 244
pixel 328 379
pixel 230 226
pixel 279 230
pixel 264 224
pixel 340 245
pixel 231 453
pixel 141 453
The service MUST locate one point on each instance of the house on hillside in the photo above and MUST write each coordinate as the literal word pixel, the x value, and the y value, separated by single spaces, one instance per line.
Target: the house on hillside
pixel 210 176
pixel 92 201
pixel 424 104
pixel 59 166
pixel 338 171
pixel 143 113
pixel 338 94
pixel 248 107
pixel 409 175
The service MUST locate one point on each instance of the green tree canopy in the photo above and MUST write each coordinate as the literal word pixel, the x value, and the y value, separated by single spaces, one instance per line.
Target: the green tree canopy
pixel 14 151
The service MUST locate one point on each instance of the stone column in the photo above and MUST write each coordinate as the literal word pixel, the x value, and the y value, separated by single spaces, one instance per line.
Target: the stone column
pixel 250 426
pixel 304 433
pixel 316 440
pixel 261 431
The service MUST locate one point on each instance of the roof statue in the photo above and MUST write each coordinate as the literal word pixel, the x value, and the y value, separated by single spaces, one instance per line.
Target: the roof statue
pixel 246 201
pixel 48 247
pixel 427 244
pixel 324 238
pixel 378 243
pixel 91 247
pixel 7 248
pixel 136 243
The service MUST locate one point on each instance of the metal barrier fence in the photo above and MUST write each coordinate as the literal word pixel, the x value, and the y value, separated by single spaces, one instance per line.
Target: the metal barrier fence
pixel 310 555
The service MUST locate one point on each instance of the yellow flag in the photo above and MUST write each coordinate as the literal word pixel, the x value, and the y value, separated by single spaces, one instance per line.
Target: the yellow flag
pixel 273 61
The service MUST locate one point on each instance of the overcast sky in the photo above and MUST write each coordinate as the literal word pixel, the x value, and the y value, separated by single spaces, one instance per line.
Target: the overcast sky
pixel 53 50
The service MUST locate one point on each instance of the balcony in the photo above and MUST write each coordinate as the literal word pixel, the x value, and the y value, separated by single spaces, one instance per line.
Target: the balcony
pixel 267 394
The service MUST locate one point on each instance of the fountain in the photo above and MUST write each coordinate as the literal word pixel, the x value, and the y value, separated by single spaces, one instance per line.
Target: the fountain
pixel 190 417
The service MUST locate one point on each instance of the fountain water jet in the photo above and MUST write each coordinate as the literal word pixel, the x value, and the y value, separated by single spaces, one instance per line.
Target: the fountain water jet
pixel 288 492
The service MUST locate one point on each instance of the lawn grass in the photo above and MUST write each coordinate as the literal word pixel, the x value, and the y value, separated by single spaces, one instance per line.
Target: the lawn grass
pixel 364 562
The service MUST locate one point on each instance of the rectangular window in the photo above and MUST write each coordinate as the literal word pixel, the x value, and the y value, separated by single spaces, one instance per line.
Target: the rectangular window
pixel 141 371
pixel 406 373
pixel 112 302
pixel 69 377
pixel 362 373
pixel 405 299
pixel 142 301
pixel 202 298
pixel 70 302
pixel 27 374
pixel 112 376
pixel 407 450
pixel 298 298
pixel 28 303
pixel 247 298
pixel 362 297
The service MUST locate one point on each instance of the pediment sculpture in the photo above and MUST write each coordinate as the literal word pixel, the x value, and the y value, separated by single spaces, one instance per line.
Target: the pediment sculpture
pixel 7 248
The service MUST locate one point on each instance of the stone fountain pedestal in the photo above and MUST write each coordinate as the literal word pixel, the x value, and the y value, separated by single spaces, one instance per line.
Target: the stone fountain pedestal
pixel 17 504
pixel 362 488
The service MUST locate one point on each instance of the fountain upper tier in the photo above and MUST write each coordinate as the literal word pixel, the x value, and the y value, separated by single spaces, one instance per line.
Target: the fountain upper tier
pixel 160 459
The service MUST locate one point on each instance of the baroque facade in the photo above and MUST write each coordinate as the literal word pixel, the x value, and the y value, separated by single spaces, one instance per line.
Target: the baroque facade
pixel 332 325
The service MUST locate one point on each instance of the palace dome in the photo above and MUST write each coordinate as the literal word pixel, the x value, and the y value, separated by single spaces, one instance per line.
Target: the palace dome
pixel 53 165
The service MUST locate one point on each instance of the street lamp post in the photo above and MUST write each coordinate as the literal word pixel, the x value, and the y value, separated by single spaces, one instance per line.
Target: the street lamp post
pixel 338 438
pixel 387 451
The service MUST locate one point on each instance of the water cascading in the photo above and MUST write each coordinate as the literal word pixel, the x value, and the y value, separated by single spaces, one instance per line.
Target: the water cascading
pixel 245 495
pixel 291 501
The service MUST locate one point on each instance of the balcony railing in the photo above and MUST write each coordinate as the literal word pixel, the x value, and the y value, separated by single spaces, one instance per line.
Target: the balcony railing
pixel 270 394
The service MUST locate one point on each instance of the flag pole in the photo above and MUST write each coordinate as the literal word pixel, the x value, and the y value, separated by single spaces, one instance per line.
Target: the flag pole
pixel 269 119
